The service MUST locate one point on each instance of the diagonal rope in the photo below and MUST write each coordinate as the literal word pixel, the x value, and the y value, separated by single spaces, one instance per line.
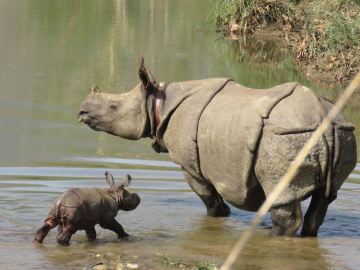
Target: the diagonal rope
pixel 289 175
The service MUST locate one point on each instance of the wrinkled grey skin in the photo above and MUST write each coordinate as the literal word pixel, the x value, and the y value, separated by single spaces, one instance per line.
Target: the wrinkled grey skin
pixel 83 208
pixel 241 144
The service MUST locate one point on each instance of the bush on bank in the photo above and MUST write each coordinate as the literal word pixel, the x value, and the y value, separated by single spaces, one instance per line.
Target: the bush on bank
pixel 324 35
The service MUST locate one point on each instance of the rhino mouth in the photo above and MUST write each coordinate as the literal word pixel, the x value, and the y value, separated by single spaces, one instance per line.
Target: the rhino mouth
pixel 90 120
pixel 84 117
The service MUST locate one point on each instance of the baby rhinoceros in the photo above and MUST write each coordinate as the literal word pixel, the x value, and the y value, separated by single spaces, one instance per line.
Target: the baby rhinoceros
pixel 83 208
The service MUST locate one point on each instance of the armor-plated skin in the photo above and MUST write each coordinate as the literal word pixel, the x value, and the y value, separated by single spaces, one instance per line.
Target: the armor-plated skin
pixel 83 208
pixel 234 143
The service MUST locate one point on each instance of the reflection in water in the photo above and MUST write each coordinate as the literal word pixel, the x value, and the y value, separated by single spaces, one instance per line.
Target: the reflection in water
pixel 263 252
pixel 284 254
pixel 51 53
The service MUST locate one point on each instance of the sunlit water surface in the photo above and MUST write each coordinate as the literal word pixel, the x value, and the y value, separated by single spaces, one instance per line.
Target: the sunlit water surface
pixel 51 53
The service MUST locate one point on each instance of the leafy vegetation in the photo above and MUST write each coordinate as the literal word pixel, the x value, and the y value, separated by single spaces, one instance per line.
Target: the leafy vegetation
pixel 323 34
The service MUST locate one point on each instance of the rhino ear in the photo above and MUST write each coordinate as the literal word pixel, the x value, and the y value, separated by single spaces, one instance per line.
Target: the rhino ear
pixel 146 77
pixel 94 89
pixel 109 179
pixel 126 181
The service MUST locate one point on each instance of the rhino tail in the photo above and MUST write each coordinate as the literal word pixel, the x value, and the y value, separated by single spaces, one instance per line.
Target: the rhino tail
pixel 329 137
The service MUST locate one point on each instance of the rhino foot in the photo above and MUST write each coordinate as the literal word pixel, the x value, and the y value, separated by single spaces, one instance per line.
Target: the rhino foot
pixel 123 235
pixel 286 219
pixel 221 210
pixel 64 237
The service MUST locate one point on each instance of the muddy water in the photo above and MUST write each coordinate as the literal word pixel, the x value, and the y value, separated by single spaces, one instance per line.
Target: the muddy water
pixel 51 52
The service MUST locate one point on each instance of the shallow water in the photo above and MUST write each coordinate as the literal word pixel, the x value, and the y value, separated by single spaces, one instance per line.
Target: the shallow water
pixel 169 226
pixel 51 53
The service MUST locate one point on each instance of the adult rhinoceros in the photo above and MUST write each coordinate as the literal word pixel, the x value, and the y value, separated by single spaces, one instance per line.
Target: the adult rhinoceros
pixel 234 143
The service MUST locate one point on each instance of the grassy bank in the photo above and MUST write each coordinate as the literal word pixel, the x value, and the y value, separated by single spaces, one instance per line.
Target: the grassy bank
pixel 324 36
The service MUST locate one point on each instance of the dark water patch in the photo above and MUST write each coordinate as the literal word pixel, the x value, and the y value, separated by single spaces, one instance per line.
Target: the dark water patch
pixel 113 163
pixel 58 186
pixel 22 185
pixel 354 176
pixel 127 161
pixel 353 181
pixel 351 186
pixel 86 172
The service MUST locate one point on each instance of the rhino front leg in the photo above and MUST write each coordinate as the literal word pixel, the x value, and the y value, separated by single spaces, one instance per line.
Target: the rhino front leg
pixel 113 225
pixel 286 219
pixel 213 201
pixel 315 214
pixel 90 233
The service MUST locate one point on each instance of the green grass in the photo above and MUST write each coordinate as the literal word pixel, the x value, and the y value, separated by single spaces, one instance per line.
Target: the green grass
pixel 322 33
pixel 252 14
pixel 206 266
pixel 333 24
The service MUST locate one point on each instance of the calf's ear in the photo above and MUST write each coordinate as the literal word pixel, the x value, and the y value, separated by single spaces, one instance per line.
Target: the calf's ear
pixel 126 181
pixel 109 179
pixel 147 80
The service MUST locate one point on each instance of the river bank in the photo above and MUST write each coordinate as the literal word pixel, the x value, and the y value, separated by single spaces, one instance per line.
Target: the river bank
pixel 322 35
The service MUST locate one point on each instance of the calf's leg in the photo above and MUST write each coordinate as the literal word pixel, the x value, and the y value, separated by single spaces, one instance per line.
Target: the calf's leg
pixel 315 214
pixel 66 231
pixel 286 219
pixel 113 225
pixel 42 232
pixel 90 233
pixel 213 201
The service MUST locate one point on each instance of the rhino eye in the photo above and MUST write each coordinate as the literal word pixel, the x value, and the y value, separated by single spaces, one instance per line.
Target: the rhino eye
pixel 113 107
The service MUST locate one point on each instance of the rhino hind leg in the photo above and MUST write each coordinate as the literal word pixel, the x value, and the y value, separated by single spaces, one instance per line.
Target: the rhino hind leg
pixel 286 219
pixel 90 233
pixel 215 205
pixel 66 230
pixel 42 232
pixel 113 225
pixel 315 214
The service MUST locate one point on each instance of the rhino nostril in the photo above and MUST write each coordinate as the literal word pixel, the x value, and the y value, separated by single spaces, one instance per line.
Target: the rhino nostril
pixel 82 113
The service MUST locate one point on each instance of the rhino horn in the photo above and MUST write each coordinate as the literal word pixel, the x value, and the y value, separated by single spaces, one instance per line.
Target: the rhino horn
pixel 93 89
pixel 126 181
pixel 146 77
pixel 109 179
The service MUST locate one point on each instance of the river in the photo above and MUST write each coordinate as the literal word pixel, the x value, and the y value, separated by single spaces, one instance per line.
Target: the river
pixel 51 53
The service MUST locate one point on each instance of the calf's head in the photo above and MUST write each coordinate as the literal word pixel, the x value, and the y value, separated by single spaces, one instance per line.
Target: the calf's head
pixel 124 115
pixel 127 201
